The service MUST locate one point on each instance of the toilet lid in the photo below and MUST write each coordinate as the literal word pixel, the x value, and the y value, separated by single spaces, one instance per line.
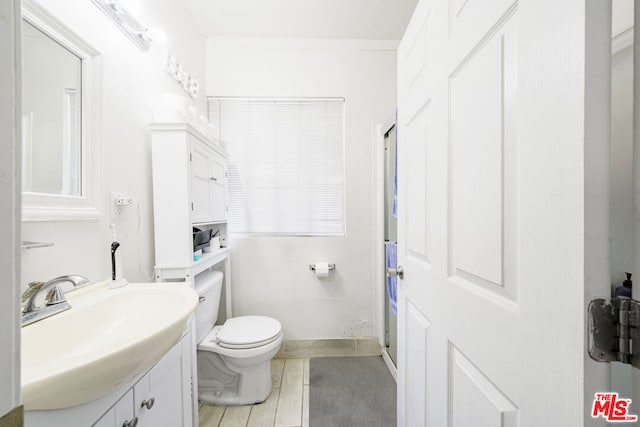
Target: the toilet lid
pixel 248 331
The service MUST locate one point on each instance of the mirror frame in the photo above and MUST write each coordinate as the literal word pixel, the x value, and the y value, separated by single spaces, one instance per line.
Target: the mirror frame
pixel 56 207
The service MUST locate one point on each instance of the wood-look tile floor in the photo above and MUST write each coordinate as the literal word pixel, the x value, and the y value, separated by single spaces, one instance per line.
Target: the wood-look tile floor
pixel 287 406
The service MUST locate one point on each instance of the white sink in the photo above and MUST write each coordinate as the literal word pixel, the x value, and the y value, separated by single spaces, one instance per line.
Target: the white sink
pixel 107 338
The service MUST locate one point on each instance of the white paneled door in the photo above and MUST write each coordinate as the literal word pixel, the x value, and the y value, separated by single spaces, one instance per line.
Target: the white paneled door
pixel 491 139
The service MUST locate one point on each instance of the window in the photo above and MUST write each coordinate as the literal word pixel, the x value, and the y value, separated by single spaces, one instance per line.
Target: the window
pixel 286 169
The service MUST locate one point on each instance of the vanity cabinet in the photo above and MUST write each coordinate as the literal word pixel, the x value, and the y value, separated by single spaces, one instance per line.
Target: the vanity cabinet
pixel 162 396
pixel 121 413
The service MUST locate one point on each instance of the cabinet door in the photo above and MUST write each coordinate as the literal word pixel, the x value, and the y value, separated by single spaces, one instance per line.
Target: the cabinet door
pixel 208 184
pixel 119 414
pixel 159 399
pixel 218 188
pixel 201 179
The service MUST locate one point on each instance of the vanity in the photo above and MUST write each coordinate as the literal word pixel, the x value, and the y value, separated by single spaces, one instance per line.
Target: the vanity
pixel 118 358
pixel 160 396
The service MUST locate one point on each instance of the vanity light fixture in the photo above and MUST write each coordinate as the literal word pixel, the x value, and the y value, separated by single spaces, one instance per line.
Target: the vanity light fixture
pixel 125 20
pixel 189 84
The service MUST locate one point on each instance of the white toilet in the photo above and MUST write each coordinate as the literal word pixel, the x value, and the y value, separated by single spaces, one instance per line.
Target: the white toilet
pixel 234 359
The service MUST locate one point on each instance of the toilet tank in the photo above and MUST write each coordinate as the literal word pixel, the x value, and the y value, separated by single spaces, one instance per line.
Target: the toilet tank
pixel 208 285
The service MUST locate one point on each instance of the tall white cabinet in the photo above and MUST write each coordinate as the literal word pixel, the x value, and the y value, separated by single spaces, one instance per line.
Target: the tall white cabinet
pixel 189 190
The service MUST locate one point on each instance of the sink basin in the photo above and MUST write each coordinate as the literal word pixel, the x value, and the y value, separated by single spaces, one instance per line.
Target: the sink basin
pixel 106 339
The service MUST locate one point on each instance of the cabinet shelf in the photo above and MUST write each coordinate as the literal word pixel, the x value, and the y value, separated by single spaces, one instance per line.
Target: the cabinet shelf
pixel 209 259
pixel 189 271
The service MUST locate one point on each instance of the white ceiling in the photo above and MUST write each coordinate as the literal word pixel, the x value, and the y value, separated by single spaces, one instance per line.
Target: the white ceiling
pixel 348 19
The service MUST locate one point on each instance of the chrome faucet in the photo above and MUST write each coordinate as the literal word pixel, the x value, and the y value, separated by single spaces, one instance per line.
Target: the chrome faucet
pixel 54 300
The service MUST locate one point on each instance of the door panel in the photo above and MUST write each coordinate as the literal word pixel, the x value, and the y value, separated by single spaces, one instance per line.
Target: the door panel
pixel 475 400
pixel 491 142
pixel 472 23
pixel 416 327
pixel 419 403
pixel 417 131
pixel 483 165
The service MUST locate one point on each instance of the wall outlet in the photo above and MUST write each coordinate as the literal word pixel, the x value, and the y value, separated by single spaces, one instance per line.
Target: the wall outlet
pixel 119 203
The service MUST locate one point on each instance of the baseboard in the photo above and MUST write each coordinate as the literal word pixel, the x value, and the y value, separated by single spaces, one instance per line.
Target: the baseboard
pixel 302 349
pixel 14 418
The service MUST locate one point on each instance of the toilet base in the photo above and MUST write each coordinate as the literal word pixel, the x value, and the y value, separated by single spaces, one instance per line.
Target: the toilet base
pixel 220 382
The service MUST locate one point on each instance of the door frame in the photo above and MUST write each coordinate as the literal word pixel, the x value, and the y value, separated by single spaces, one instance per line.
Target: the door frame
pixel 597 178
pixel 379 288
pixel 10 212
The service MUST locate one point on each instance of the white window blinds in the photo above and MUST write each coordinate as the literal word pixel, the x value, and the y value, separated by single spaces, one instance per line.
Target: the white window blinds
pixel 286 168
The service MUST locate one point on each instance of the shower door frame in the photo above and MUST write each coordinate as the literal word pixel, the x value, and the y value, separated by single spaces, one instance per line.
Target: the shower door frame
pixel 380 287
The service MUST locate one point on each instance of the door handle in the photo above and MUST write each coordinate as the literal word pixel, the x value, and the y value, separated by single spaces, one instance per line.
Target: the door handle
pixel 396 272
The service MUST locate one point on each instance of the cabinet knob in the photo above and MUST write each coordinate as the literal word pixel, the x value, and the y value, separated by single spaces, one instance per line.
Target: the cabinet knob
pixel 131 423
pixel 148 403
pixel 213 178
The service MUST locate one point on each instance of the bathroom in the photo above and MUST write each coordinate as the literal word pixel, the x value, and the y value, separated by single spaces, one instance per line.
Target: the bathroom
pixel 332 59
pixel 281 50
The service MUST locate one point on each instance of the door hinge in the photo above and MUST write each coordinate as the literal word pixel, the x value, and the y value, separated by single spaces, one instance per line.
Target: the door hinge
pixel 614 330
pixel 191 205
pixel 191 157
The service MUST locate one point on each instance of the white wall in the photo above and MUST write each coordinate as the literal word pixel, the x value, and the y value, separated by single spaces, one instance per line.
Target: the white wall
pixel 270 276
pixel 621 164
pixel 9 208
pixel 132 83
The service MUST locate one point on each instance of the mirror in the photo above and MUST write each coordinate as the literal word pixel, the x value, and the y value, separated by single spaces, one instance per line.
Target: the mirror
pixel 61 99
pixel 51 115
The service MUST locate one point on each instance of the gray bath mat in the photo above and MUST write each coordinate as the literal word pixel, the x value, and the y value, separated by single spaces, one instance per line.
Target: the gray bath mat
pixel 351 392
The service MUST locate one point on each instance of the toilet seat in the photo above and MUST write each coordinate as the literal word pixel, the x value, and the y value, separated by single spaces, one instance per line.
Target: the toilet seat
pixel 248 345
pixel 242 333
pixel 248 332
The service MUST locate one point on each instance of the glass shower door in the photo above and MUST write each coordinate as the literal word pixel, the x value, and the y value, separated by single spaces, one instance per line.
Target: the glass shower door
pixel 390 235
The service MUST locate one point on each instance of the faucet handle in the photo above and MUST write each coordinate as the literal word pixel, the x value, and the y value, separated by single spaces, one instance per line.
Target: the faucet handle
pixel 54 296
pixel 32 289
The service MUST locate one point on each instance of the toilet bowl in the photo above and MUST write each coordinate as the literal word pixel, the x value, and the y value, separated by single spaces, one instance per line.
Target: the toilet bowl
pixel 234 359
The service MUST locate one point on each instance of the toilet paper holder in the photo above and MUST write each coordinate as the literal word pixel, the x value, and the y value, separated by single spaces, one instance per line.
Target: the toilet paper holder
pixel 313 267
